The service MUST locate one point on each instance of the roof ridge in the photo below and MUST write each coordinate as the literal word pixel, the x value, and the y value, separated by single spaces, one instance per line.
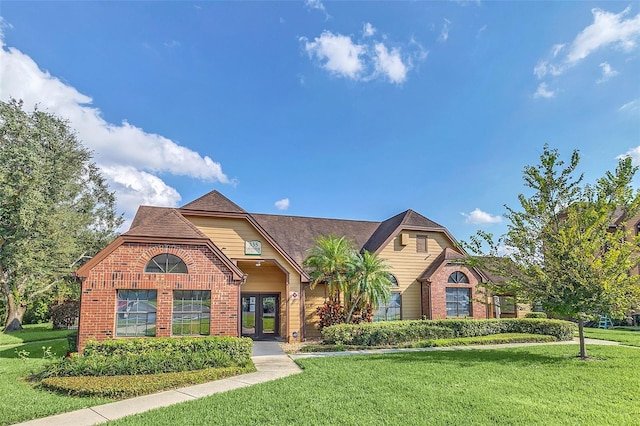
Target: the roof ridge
pixel 200 203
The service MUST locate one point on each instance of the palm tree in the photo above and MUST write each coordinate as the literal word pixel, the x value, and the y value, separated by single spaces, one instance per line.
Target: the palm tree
pixel 368 283
pixel 328 262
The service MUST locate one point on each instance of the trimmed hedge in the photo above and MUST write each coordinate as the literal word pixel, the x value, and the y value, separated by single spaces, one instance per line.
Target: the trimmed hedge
pixel 393 333
pixel 383 333
pixel 535 315
pixel 153 355
pixel 493 339
pixel 127 386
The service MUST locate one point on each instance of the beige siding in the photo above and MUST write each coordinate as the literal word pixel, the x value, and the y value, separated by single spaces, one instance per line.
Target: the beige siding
pixel 407 265
pixel 313 299
pixel 229 235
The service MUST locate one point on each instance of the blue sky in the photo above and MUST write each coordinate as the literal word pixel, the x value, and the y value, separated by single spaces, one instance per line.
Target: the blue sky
pixel 356 110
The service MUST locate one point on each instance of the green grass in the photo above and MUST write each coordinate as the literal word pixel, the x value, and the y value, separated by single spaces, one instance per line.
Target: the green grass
pixel 493 339
pixel 542 385
pixel 625 336
pixel 33 333
pixel 20 400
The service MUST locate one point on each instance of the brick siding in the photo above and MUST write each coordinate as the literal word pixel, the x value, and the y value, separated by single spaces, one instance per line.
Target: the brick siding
pixel 434 294
pixel 124 269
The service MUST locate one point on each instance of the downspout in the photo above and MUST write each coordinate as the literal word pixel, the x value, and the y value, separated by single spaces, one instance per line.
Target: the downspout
pixel 239 310
pixel 303 312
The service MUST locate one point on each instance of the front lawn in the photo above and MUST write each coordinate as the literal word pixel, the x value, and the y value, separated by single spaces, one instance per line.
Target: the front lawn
pixel 533 385
pixel 20 401
pixel 626 336
pixel 33 333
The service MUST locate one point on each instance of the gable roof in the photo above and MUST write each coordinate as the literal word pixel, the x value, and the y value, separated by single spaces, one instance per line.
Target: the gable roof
pixel 214 201
pixel 297 234
pixel 162 222
pixel 448 255
pixel 388 228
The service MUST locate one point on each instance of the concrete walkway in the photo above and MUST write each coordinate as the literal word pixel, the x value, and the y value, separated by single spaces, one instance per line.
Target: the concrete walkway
pixel 270 361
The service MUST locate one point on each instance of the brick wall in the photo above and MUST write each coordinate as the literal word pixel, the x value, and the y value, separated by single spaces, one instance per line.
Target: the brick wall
pixel 124 269
pixel 434 294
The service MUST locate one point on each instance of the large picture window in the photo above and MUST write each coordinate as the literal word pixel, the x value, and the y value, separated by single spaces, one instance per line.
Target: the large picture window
pixel 191 312
pixel 166 263
pixel 136 313
pixel 458 302
pixel 389 311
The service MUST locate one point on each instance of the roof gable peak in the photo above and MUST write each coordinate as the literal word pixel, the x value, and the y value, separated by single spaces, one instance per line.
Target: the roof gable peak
pixel 214 201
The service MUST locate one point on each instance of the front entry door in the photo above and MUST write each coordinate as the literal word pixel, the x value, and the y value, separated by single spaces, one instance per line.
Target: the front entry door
pixel 260 315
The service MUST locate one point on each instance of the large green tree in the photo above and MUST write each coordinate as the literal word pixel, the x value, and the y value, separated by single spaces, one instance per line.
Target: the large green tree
pixel 569 248
pixel 55 207
pixel 356 282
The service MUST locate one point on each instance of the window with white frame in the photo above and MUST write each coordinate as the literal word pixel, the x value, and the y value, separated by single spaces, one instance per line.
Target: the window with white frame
pixel 136 313
pixel 458 302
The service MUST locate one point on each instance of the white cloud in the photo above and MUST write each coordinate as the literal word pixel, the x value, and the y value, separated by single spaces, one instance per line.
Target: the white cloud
pixel 363 60
pixel 634 153
pixel 390 63
pixel 172 43
pixel 607 72
pixel 127 154
pixel 282 204
pixel 607 30
pixel 630 106
pixel 339 54
pixel 317 5
pixel 481 31
pixel 478 217
pixel 544 92
pixel 444 32
pixel 368 30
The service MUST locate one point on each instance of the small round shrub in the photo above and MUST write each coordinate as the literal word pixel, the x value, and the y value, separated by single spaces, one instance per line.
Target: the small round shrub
pixel 535 315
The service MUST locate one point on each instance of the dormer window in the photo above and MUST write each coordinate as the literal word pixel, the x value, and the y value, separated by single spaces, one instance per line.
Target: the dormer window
pixel 166 264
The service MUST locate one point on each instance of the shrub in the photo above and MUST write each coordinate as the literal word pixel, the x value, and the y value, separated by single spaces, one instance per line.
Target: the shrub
pixel 535 315
pixel 331 313
pixel 65 314
pixel 153 355
pixel 383 333
pixel 396 332
pixel 126 386
pixel 494 339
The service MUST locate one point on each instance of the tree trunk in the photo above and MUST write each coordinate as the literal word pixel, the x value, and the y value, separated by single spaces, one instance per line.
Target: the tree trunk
pixel 15 312
pixel 583 348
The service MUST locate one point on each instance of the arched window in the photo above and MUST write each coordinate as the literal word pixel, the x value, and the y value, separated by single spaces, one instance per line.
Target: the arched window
pixel 166 263
pixel 393 282
pixel 458 278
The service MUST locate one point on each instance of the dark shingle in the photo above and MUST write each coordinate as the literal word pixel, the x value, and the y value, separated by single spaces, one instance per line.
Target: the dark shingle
pixel 295 235
pixel 214 202
pixel 162 222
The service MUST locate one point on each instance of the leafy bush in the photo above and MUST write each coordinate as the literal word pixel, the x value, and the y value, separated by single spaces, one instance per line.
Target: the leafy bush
pixel 331 313
pixel 126 386
pixel 152 356
pixel 65 314
pixel 535 315
pixel 383 333
pixel 396 332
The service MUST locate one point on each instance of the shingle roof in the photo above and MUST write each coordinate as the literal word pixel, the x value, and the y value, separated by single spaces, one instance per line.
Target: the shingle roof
pixel 448 255
pixel 295 234
pixel 408 218
pixel 162 222
pixel 214 202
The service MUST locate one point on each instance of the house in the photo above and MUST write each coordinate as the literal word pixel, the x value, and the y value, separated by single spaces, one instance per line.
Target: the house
pixel 211 268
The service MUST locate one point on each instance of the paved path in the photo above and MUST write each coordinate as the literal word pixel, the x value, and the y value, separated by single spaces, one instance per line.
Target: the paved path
pixel 270 361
